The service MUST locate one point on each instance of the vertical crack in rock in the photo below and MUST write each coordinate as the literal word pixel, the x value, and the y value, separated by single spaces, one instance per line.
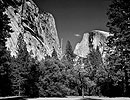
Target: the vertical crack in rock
pixel 98 39
pixel 39 30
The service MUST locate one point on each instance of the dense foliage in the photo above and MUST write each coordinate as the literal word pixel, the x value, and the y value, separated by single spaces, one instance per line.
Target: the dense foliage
pixel 4 54
pixel 20 68
pixel 51 79
pixel 119 45
pixel 26 76
pixel 69 55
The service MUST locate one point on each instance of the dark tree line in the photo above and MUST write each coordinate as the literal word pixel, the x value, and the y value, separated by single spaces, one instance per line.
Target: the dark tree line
pixel 51 77
pixel 119 45
pixel 5 29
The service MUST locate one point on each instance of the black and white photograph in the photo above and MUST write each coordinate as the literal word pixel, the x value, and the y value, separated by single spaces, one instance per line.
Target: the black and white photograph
pixel 64 49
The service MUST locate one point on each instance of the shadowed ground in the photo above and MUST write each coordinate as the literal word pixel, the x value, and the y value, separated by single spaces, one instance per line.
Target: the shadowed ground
pixel 67 98
pixel 85 98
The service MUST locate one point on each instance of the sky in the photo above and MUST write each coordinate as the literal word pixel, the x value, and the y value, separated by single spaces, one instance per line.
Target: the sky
pixel 75 17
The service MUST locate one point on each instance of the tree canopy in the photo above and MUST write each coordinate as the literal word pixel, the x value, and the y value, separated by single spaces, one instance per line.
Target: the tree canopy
pixel 119 43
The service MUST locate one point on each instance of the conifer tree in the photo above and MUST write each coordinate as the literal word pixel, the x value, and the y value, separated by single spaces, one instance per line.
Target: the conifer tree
pixel 51 79
pixel 54 54
pixel 119 42
pixel 31 85
pixel 69 55
pixel 5 29
pixel 20 69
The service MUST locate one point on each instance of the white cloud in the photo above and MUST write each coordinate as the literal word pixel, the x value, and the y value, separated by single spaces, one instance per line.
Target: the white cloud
pixel 77 35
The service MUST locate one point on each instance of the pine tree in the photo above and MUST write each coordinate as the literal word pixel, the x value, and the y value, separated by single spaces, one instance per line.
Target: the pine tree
pixel 119 42
pixel 95 58
pixel 20 69
pixel 31 85
pixel 5 29
pixel 51 80
pixel 54 54
pixel 69 55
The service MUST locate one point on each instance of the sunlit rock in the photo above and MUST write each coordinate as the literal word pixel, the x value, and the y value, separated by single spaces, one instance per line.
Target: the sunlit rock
pixel 98 39
pixel 82 48
pixel 39 30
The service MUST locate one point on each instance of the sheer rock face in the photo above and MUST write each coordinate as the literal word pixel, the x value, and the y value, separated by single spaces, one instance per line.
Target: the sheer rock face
pixel 82 48
pixel 39 30
pixel 98 39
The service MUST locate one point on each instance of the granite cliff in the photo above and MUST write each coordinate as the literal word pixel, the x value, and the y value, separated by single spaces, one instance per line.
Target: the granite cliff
pixel 38 29
pixel 97 39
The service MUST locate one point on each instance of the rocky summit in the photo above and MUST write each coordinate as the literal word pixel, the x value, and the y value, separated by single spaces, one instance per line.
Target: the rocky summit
pixel 97 39
pixel 38 29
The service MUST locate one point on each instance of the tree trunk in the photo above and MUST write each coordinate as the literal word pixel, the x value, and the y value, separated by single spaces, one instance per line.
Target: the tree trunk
pixel 125 83
pixel 82 91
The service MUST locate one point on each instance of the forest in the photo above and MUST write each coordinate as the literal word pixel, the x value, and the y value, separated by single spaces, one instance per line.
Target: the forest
pixel 26 76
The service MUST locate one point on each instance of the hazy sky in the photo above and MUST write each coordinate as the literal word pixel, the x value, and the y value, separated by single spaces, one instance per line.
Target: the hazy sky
pixel 74 17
